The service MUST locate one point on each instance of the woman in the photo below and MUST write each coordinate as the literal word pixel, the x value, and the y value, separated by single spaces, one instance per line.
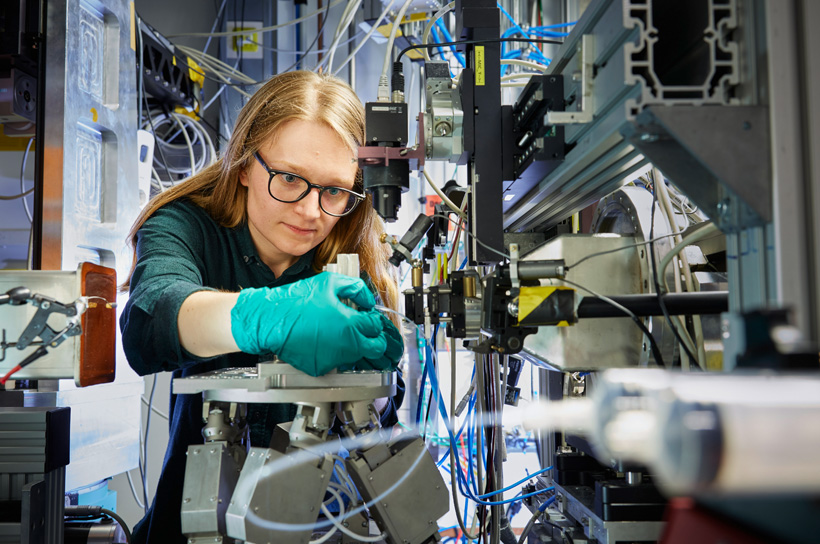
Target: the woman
pixel 226 266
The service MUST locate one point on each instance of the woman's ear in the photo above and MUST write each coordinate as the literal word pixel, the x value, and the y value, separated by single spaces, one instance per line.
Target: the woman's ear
pixel 243 177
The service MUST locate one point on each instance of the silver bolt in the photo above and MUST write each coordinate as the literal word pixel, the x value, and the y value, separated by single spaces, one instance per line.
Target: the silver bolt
pixel 649 138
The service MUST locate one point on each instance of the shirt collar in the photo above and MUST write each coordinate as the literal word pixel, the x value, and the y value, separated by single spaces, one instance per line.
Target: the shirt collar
pixel 251 257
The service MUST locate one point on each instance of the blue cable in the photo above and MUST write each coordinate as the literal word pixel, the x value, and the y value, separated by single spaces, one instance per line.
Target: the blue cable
pixel 463 264
pixel 449 38
pixel 547 503
pixel 559 25
pixel 460 476
pixel 514 54
pixel 519 482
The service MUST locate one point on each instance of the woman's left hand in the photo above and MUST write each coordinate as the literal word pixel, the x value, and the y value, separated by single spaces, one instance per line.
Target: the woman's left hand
pixel 393 353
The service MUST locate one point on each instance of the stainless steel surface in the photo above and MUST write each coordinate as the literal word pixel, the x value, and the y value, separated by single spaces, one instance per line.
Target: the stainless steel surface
pixel 399 481
pixel 90 187
pixel 443 120
pixel 210 478
pixel 287 489
pixel 628 211
pixel 105 426
pixel 605 532
pixel 718 155
pixel 279 382
pixel 594 343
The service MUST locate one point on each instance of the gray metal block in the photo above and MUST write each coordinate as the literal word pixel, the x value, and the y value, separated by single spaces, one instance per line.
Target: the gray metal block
pixel 395 487
pixel 593 343
pixel 287 490
pixel 210 477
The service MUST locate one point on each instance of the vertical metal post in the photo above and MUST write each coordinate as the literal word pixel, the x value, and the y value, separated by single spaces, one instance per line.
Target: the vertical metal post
pixel 479 20
pixel 788 33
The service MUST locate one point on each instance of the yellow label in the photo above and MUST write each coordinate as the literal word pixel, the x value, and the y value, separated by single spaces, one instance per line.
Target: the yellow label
pixel 133 26
pixel 248 44
pixel 94 115
pixel 479 65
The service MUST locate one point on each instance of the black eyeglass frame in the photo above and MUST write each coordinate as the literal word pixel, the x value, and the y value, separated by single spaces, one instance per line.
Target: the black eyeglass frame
pixel 358 197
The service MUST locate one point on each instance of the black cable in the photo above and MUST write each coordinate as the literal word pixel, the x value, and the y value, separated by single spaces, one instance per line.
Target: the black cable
pixel 472 42
pixel 655 274
pixel 91 512
pixel 656 351
pixel 313 43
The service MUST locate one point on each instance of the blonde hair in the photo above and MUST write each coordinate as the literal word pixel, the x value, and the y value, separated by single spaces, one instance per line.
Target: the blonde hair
pixel 292 95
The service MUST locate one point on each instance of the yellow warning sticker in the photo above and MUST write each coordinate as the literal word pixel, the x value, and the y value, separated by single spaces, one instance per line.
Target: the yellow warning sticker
pixel 479 65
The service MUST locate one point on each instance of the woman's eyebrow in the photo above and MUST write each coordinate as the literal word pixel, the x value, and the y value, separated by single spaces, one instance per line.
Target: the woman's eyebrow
pixel 294 169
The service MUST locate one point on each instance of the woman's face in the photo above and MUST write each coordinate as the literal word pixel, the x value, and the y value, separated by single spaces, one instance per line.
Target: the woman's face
pixel 283 232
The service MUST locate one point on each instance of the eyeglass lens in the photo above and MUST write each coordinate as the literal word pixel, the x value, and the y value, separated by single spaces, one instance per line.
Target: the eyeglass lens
pixel 290 188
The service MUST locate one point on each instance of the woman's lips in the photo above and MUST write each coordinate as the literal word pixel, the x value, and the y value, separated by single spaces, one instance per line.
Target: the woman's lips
pixel 298 230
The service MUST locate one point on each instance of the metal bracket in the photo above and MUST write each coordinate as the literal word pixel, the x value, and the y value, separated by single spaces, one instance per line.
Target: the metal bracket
pixel 587 52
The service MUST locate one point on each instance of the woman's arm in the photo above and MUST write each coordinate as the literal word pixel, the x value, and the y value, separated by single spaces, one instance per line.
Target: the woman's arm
pixel 204 323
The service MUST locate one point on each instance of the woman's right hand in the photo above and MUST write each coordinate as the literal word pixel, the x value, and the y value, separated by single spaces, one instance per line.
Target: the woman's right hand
pixel 307 325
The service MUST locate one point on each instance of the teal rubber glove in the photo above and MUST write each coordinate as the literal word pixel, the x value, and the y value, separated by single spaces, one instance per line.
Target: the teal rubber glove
pixel 307 325
pixel 392 355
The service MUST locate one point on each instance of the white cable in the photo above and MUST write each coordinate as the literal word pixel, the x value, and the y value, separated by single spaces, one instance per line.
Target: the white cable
pixel 526 64
pixel 213 26
pixel 154 409
pixel 519 75
pixel 332 532
pixel 370 32
pixel 693 238
pixel 22 180
pixel 444 198
pixel 191 155
pixel 429 27
pixel 343 475
pixel 216 64
pixel 347 18
pixel 201 137
pixel 383 94
pixel 252 31
pixel 145 441
pixel 134 489
pixel 348 532
pixel 458 237
pixel 687 272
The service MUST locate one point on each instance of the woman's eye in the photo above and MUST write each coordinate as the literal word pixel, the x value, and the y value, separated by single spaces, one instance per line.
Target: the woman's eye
pixel 333 191
pixel 289 178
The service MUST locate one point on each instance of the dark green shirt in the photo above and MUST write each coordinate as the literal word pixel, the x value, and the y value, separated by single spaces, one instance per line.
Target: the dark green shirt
pixel 180 250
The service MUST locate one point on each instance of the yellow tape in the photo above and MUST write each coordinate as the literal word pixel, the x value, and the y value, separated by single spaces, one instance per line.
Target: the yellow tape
pixel 133 26
pixel 196 73
pixel 479 65
pixel 94 115
pixel 530 298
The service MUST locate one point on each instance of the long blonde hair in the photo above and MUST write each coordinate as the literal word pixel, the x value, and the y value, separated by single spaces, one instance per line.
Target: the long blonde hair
pixel 292 95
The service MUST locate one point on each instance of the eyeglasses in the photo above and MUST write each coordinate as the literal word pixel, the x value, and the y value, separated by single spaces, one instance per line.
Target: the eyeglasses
pixel 287 187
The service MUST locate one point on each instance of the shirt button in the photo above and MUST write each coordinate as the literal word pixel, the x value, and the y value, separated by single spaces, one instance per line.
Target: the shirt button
pixel 247 258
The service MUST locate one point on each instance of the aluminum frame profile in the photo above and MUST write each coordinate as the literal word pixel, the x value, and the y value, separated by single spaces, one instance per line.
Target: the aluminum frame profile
pixel 600 158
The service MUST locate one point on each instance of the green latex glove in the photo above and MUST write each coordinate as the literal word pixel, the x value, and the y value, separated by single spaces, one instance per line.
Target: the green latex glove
pixel 392 355
pixel 307 325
